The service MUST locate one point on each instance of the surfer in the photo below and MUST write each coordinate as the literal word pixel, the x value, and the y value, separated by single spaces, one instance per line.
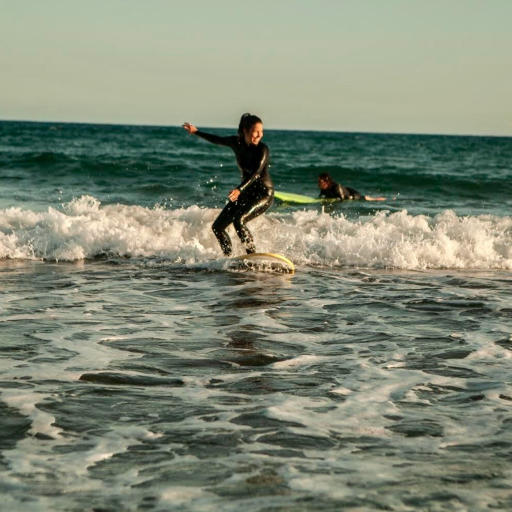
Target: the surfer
pixel 332 190
pixel 255 194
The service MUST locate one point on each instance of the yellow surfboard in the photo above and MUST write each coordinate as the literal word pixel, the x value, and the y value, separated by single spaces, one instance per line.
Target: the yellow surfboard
pixel 266 261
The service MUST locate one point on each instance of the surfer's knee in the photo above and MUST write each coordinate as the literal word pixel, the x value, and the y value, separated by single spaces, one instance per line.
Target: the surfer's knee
pixel 217 228
pixel 239 224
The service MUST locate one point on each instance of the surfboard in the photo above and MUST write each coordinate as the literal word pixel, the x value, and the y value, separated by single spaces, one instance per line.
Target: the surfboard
pixel 288 197
pixel 264 261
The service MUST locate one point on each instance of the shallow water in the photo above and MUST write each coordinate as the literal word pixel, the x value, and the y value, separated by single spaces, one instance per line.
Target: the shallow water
pixel 135 387
pixel 139 372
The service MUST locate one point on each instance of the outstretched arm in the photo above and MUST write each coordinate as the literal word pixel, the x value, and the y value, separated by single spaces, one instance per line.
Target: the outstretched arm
pixel 214 139
pixel 189 127
pixel 368 198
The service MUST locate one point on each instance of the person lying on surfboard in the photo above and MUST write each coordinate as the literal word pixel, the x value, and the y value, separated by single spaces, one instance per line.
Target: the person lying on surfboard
pixel 332 190
pixel 255 194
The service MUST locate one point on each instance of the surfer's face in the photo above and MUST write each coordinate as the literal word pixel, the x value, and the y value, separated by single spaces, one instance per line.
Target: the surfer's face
pixel 323 184
pixel 254 134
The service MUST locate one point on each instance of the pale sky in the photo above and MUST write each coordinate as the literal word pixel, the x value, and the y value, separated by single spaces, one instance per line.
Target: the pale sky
pixel 420 66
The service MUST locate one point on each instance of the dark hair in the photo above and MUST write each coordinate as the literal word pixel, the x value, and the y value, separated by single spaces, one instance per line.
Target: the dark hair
pixel 325 176
pixel 247 121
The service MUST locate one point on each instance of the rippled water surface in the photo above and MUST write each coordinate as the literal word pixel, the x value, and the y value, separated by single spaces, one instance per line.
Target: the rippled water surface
pixel 141 386
pixel 138 372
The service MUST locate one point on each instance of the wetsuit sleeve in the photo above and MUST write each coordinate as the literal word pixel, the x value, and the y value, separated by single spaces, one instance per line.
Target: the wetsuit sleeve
pixel 354 194
pixel 263 163
pixel 216 139
pixel 335 191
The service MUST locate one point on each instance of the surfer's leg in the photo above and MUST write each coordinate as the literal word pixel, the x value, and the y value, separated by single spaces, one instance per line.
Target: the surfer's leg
pixel 220 225
pixel 250 210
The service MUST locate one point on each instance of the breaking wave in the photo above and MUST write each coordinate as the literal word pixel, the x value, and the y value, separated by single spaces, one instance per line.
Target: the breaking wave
pixel 84 229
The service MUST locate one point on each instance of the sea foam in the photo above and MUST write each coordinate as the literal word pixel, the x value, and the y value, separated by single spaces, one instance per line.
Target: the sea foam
pixel 83 228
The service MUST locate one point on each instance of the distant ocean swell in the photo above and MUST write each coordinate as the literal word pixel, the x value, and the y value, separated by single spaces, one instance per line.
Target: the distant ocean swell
pixel 98 164
pixel 174 167
pixel 83 229
pixel 412 182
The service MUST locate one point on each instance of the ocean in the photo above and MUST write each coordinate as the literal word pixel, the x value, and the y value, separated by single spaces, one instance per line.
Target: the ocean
pixel 140 372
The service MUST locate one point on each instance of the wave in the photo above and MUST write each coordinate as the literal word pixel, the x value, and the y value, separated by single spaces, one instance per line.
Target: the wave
pixel 413 180
pixel 84 229
pixel 35 158
pixel 98 164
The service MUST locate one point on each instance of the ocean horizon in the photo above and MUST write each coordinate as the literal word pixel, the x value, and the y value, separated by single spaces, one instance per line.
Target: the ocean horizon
pixel 267 129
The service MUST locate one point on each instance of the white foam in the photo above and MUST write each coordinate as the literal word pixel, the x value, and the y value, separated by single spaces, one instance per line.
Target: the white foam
pixel 305 360
pixel 341 391
pixel 26 402
pixel 85 229
pixel 176 496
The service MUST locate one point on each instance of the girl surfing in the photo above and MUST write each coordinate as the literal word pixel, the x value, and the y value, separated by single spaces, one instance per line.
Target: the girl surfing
pixel 255 194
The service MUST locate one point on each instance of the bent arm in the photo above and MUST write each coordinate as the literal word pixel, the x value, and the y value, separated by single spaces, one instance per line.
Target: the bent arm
pixel 352 193
pixel 333 192
pixel 256 174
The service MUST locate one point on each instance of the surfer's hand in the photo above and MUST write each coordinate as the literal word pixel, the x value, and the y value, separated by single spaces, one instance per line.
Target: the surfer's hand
pixel 189 127
pixel 233 195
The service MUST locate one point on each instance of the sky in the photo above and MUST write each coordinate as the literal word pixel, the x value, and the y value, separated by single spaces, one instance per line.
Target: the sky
pixel 399 66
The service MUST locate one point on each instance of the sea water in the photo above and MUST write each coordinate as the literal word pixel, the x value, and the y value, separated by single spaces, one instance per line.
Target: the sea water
pixel 138 372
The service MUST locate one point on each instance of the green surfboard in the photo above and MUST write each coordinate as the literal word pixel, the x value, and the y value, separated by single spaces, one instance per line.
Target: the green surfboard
pixel 288 197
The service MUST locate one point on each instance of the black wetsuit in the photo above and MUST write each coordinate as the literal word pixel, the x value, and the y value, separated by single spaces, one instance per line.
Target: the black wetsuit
pixel 337 191
pixel 256 191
